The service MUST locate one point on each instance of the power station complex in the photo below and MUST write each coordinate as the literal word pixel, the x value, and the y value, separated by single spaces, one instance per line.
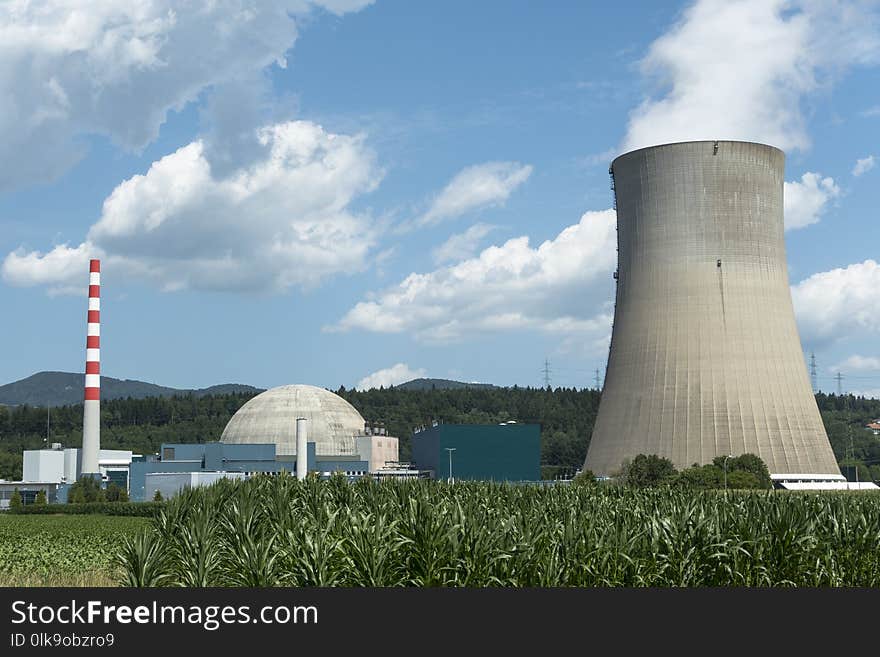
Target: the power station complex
pixel 705 358
pixel 300 429
pixel 268 434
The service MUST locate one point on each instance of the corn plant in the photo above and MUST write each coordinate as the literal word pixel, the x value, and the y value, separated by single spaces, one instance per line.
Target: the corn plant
pixel 278 531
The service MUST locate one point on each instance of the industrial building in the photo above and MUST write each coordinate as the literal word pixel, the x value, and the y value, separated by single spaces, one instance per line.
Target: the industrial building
pixel 64 465
pixel 705 358
pixel 180 465
pixel 503 452
pixel 263 438
pixel 54 470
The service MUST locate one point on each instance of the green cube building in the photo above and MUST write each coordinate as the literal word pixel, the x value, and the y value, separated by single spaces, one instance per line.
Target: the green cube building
pixel 498 452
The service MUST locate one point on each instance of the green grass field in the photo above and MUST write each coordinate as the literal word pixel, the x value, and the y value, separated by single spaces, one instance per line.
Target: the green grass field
pixel 62 550
pixel 276 531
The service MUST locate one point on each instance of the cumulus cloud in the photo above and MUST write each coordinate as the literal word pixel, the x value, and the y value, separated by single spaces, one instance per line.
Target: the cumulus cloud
pixel 60 269
pixel 390 376
pixel 857 363
pixel 739 69
pixel 476 187
pixel 283 220
pixel 509 287
pixel 833 304
pixel 461 246
pixel 806 201
pixel 863 165
pixel 115 68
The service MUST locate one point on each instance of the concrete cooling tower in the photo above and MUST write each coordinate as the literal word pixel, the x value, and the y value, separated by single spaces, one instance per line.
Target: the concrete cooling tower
pixel 705 358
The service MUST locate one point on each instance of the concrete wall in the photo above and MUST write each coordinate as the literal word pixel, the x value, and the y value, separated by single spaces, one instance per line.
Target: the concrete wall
pixel 140 469
pixel 171 483
pixel 43 465
pixel 377 450
pixel 705 357
pixel 71 464
pixel 326 464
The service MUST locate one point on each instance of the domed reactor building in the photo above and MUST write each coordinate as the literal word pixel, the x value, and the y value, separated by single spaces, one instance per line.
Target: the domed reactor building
pixel 705 357
pixel 262 437
pixel 270 417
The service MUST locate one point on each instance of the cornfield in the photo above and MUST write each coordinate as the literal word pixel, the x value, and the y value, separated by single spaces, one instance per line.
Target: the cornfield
pixel 277 531
pixel 62 550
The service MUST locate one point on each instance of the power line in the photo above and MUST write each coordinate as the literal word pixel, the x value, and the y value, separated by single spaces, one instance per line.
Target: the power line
pixel 872 377
pixel 546 373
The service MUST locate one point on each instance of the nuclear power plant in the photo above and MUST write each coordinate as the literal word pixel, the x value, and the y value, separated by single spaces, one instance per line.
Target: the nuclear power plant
pixel 705 361
pixel 705 358
pixel 299 429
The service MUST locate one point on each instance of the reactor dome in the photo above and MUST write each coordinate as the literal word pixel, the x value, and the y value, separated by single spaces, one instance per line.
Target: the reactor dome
pixel 270 417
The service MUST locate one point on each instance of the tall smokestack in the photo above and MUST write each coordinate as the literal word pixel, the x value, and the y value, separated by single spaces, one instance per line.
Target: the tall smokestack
pixel 92 405
pixel 302 463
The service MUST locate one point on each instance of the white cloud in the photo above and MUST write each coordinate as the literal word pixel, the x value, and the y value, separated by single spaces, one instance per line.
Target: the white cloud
pixel 507 287
pixel 476 187
pixel 281 221
pixel 806 201
pixel 863 165
pixel 739 70
pixel 871 111
pixel 833 304
pixel 390 376
pixel 461 246
pixel 61 268
pixel 115 68
pixel 856 363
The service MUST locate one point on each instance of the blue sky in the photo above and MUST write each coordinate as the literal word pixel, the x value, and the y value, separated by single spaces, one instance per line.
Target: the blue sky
pixel 345 192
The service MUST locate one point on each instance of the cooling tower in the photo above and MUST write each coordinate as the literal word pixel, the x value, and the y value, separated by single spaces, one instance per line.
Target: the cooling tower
pixel 705 358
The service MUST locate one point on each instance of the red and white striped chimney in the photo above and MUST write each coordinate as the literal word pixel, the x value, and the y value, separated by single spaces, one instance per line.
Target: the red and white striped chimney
pixel 92 410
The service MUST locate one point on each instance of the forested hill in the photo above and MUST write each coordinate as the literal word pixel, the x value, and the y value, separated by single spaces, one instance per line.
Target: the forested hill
pixel 65 388
pixel 566 416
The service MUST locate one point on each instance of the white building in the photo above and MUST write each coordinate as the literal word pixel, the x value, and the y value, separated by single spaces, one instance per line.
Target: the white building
pixel 63 466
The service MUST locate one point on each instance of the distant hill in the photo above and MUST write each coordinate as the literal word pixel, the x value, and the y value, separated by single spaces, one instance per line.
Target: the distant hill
pixel 440 384
pixel 66 388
